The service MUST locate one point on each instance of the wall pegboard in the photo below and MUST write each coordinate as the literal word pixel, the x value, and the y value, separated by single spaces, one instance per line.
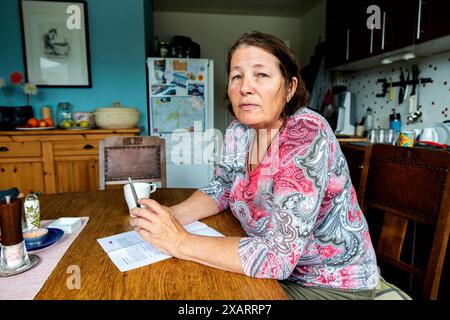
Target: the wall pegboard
pixel 434 98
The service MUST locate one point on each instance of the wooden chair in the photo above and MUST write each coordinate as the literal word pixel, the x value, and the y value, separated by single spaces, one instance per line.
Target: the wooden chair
pixel 141 158
pixel 405 194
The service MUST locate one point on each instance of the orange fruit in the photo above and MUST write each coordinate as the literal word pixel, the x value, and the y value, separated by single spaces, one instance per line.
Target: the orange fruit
pixel 33 122
pixel 49 122
pixel 42 123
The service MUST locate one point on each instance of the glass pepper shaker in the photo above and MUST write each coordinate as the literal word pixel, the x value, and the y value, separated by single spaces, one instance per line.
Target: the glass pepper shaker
pixel 13 251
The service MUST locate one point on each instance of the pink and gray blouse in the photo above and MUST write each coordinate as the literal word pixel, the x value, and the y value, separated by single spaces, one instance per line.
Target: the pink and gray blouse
pixel 298 206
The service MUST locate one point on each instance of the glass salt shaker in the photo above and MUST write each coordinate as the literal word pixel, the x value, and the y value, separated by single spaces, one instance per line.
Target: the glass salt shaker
pixel 32 211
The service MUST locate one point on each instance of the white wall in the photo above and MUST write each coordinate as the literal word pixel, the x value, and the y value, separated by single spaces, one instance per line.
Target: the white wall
pixel 312 27
pixel 215 33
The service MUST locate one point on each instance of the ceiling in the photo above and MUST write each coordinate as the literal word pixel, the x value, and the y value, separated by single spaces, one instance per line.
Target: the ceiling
pixel 283 8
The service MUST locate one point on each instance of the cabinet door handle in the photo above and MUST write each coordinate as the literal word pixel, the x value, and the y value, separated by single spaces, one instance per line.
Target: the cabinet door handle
pixel 88 147
pixel 4 149
pixel 419 19
pixel 371 40
pixel 361 167
pixel 347 55
pixel 383 34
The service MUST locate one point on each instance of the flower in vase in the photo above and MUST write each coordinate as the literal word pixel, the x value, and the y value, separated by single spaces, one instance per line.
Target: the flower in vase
pixel 29 89
pixel 16 78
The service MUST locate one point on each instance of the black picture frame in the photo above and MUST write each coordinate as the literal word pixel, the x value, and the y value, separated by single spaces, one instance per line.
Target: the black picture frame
pixel 55 43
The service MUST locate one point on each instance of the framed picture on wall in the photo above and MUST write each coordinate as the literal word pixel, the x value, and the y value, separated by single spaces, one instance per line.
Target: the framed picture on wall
pixel 55 41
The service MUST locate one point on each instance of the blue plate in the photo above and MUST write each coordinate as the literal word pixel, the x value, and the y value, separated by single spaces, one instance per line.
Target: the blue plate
pixel 54 234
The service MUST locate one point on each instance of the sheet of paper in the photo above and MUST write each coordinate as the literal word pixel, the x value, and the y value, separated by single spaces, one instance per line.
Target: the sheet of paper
pixel 129 250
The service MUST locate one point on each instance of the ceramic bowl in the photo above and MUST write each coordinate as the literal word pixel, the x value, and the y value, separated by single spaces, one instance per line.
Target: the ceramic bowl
pixel 116 117
pixel 36 236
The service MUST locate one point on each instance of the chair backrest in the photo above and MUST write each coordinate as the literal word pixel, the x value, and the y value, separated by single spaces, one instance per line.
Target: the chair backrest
pixel 141 158
pixel 405 194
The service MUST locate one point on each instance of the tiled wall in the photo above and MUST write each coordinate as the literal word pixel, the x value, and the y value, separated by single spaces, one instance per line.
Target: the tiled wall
pixel 434 100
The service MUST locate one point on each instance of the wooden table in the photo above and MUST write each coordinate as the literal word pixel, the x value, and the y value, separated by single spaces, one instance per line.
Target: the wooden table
pixel 168 279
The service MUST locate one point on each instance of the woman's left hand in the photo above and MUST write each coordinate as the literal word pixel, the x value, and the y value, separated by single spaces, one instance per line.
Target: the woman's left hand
pixel 157 225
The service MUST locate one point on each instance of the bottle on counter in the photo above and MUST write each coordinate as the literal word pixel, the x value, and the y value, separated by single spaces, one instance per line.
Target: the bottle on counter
pixel 163 50
pixel 395 122
pixel 369 122
pixel 32 211
pixel 360 128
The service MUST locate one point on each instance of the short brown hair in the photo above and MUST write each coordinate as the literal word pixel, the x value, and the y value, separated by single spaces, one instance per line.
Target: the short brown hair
pixel 289 67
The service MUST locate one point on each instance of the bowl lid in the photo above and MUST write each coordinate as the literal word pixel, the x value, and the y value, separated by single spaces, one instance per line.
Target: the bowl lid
pixel 117 108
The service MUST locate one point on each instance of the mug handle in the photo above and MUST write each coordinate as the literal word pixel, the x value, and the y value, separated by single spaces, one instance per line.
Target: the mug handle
pixel 152 187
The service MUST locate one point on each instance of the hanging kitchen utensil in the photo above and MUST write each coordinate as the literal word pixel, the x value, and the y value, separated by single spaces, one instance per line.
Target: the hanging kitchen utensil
pixel 411 104
pixel 415 78
pixel 413 117
pixel 406 91
pixel 391 92
pixel 401 93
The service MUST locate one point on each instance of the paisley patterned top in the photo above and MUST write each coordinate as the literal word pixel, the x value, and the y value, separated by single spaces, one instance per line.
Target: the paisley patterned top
pixel 298 207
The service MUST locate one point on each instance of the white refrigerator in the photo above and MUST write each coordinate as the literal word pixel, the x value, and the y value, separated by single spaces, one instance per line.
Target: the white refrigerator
pixel 181 110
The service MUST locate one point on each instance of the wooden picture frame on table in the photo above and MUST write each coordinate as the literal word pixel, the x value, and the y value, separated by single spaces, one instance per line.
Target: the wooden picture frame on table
pixel 55 42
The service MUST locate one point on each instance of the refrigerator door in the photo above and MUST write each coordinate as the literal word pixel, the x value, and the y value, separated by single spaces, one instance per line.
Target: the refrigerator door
pixel 181 111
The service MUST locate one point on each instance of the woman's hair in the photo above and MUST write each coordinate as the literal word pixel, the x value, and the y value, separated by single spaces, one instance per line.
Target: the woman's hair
pixel 288 65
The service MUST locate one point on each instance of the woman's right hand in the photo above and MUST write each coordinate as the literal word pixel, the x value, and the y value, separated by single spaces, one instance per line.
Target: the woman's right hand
pixel 158 226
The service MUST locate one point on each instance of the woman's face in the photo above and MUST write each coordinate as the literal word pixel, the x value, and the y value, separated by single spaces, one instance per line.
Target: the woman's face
pixel 256 88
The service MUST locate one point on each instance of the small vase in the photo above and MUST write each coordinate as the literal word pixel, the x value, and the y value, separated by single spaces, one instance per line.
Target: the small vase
pixel 11 117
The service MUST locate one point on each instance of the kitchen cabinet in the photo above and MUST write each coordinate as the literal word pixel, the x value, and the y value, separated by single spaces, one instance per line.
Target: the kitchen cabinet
pixel 361 37
pixel 434 21
pixel 52 161
pixel 403 23
pixel 21 164
pixel 347 37
pixel 337 34
pixel 398 26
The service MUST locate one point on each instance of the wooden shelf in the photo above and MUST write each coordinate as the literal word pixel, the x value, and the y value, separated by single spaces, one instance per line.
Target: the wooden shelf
pixel 68 132
pixel 51 161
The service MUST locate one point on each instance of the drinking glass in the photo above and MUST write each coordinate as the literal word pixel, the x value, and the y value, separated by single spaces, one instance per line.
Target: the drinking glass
pixel 390 136
pixel 373 136
pixel 381 136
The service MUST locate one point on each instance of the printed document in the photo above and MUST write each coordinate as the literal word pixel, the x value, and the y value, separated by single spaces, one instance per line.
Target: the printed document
pixel 129 250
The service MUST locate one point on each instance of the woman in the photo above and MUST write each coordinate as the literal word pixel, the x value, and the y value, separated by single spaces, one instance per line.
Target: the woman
pixel 285 179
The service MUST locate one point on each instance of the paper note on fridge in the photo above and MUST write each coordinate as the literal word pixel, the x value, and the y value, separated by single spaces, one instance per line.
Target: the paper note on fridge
pixel 129 250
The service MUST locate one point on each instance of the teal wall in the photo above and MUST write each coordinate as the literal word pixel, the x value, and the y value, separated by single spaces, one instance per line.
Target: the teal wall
pixel 117 37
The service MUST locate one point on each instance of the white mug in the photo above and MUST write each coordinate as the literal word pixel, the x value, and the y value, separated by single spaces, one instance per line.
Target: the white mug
pixel 429 134
pixel 143 191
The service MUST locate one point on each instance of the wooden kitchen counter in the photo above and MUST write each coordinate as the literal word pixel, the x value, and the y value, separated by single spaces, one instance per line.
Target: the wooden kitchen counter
pixel 347 138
